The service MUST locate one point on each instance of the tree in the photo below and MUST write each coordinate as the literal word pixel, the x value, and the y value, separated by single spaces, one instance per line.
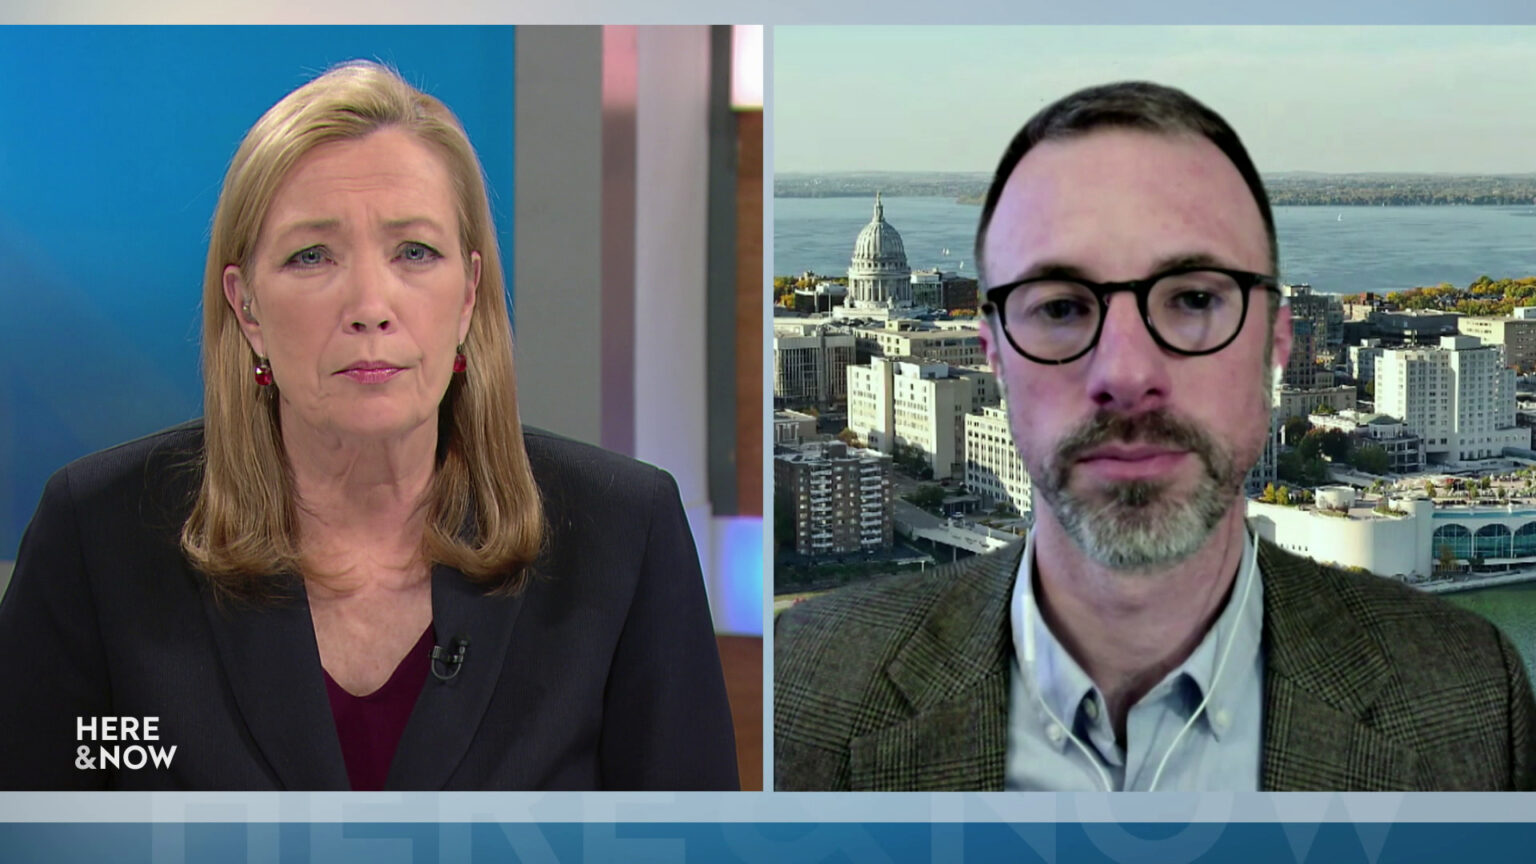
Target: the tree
pixel 927 496
pixel 1269 494
pixel 1429 489
pixel 1311 445
pixel 1283 496
pixel 1447 560
pixel 1325 409
pixel 1486 482
pixel 1335 444
pixel 1295 428
pixel 1372 459
pixel 849 437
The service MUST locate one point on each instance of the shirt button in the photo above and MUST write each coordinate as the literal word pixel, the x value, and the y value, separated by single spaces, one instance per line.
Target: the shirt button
pixel 1223 718
pixel 1092 708
pixel 1054 733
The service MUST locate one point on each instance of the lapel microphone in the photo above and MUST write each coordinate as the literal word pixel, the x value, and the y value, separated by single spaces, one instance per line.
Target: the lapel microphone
pixel 451 662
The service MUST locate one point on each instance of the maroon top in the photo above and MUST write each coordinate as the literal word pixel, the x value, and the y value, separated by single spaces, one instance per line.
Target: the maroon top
pixel 370 726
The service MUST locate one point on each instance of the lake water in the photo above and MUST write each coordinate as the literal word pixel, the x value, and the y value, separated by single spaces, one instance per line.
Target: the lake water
pixel 1339 250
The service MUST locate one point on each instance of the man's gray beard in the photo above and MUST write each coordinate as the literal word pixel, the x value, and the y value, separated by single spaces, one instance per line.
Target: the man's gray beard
pixel 1139 524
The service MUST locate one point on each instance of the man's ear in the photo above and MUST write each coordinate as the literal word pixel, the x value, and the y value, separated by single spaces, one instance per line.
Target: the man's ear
pixel 989 334
pixel 237 294
pixel 1280 352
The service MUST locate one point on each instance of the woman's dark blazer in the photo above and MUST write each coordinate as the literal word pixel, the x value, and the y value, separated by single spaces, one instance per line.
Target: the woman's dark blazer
pixel 602 674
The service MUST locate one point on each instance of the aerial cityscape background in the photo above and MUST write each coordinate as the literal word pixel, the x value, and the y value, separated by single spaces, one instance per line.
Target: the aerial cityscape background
pixel 1402 437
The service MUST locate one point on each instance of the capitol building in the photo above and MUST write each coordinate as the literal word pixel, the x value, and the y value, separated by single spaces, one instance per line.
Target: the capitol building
pixel 879 279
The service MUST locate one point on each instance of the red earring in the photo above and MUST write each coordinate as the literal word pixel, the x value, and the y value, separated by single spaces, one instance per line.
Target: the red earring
pixel 460 362
pixel 263 372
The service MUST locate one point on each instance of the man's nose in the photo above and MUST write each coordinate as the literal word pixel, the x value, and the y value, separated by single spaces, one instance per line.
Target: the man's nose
pixel 1128 370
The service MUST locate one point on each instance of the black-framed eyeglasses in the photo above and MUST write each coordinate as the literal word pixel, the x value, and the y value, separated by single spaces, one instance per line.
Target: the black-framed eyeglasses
pixel 1189 310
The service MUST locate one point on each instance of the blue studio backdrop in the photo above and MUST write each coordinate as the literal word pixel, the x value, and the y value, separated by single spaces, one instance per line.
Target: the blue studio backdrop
pixel 113 144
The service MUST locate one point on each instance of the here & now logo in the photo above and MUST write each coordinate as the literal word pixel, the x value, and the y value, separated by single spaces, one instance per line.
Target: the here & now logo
pixel 111 747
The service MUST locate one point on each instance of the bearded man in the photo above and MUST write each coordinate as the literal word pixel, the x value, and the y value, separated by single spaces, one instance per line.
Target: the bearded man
pixel 1142 637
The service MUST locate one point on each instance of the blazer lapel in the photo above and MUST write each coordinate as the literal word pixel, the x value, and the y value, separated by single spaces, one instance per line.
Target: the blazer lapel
pixel 953 673
pixel 273 667
pixel 448 713
pixel 1322 675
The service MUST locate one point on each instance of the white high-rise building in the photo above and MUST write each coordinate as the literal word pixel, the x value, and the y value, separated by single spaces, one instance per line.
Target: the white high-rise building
pixel 1459 397
pixel 993 468
pixel 917 404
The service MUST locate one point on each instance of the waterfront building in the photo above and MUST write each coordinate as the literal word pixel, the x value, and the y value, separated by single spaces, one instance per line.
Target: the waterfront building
pixel 810 363
pixel 879 280
pixel 1397 546
pixel 1517 335
pixel 1408 544
pixel 840 497
pixel 918 403
pixel 993 468
pixel 1459 397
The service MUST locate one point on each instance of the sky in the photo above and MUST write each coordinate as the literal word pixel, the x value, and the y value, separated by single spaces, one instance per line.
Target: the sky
pixel 1332 99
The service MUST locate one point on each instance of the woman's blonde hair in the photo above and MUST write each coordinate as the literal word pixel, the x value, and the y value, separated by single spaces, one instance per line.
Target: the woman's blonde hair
pixel 483 514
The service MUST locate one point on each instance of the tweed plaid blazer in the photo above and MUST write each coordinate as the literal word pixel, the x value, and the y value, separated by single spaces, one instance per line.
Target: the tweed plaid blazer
pixel 902 683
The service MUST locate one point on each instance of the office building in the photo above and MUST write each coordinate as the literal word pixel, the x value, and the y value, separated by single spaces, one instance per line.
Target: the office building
pixel 810 363
pixel 993 469
pixel 918 403
pixel 952 342
pixel 1516 335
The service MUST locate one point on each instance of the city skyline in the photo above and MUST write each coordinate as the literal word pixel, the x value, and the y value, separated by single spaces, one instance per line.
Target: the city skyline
pixel 1318 99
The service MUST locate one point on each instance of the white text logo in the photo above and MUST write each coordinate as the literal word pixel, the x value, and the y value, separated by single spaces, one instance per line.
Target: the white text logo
pixel 119 753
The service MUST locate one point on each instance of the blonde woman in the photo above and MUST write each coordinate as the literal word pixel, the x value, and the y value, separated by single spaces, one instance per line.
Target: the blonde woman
pixel 359 570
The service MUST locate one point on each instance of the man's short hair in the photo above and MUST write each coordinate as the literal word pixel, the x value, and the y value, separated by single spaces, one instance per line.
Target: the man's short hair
pixel 1138 105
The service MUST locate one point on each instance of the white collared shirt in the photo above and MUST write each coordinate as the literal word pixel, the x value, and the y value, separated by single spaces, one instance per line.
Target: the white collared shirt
pixel 1220 751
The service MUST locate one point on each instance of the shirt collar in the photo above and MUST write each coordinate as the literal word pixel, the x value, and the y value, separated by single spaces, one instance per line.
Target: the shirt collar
pixel 1063 685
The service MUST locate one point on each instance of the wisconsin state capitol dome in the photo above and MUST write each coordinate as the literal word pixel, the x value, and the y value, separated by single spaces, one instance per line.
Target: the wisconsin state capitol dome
pixel 878 275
